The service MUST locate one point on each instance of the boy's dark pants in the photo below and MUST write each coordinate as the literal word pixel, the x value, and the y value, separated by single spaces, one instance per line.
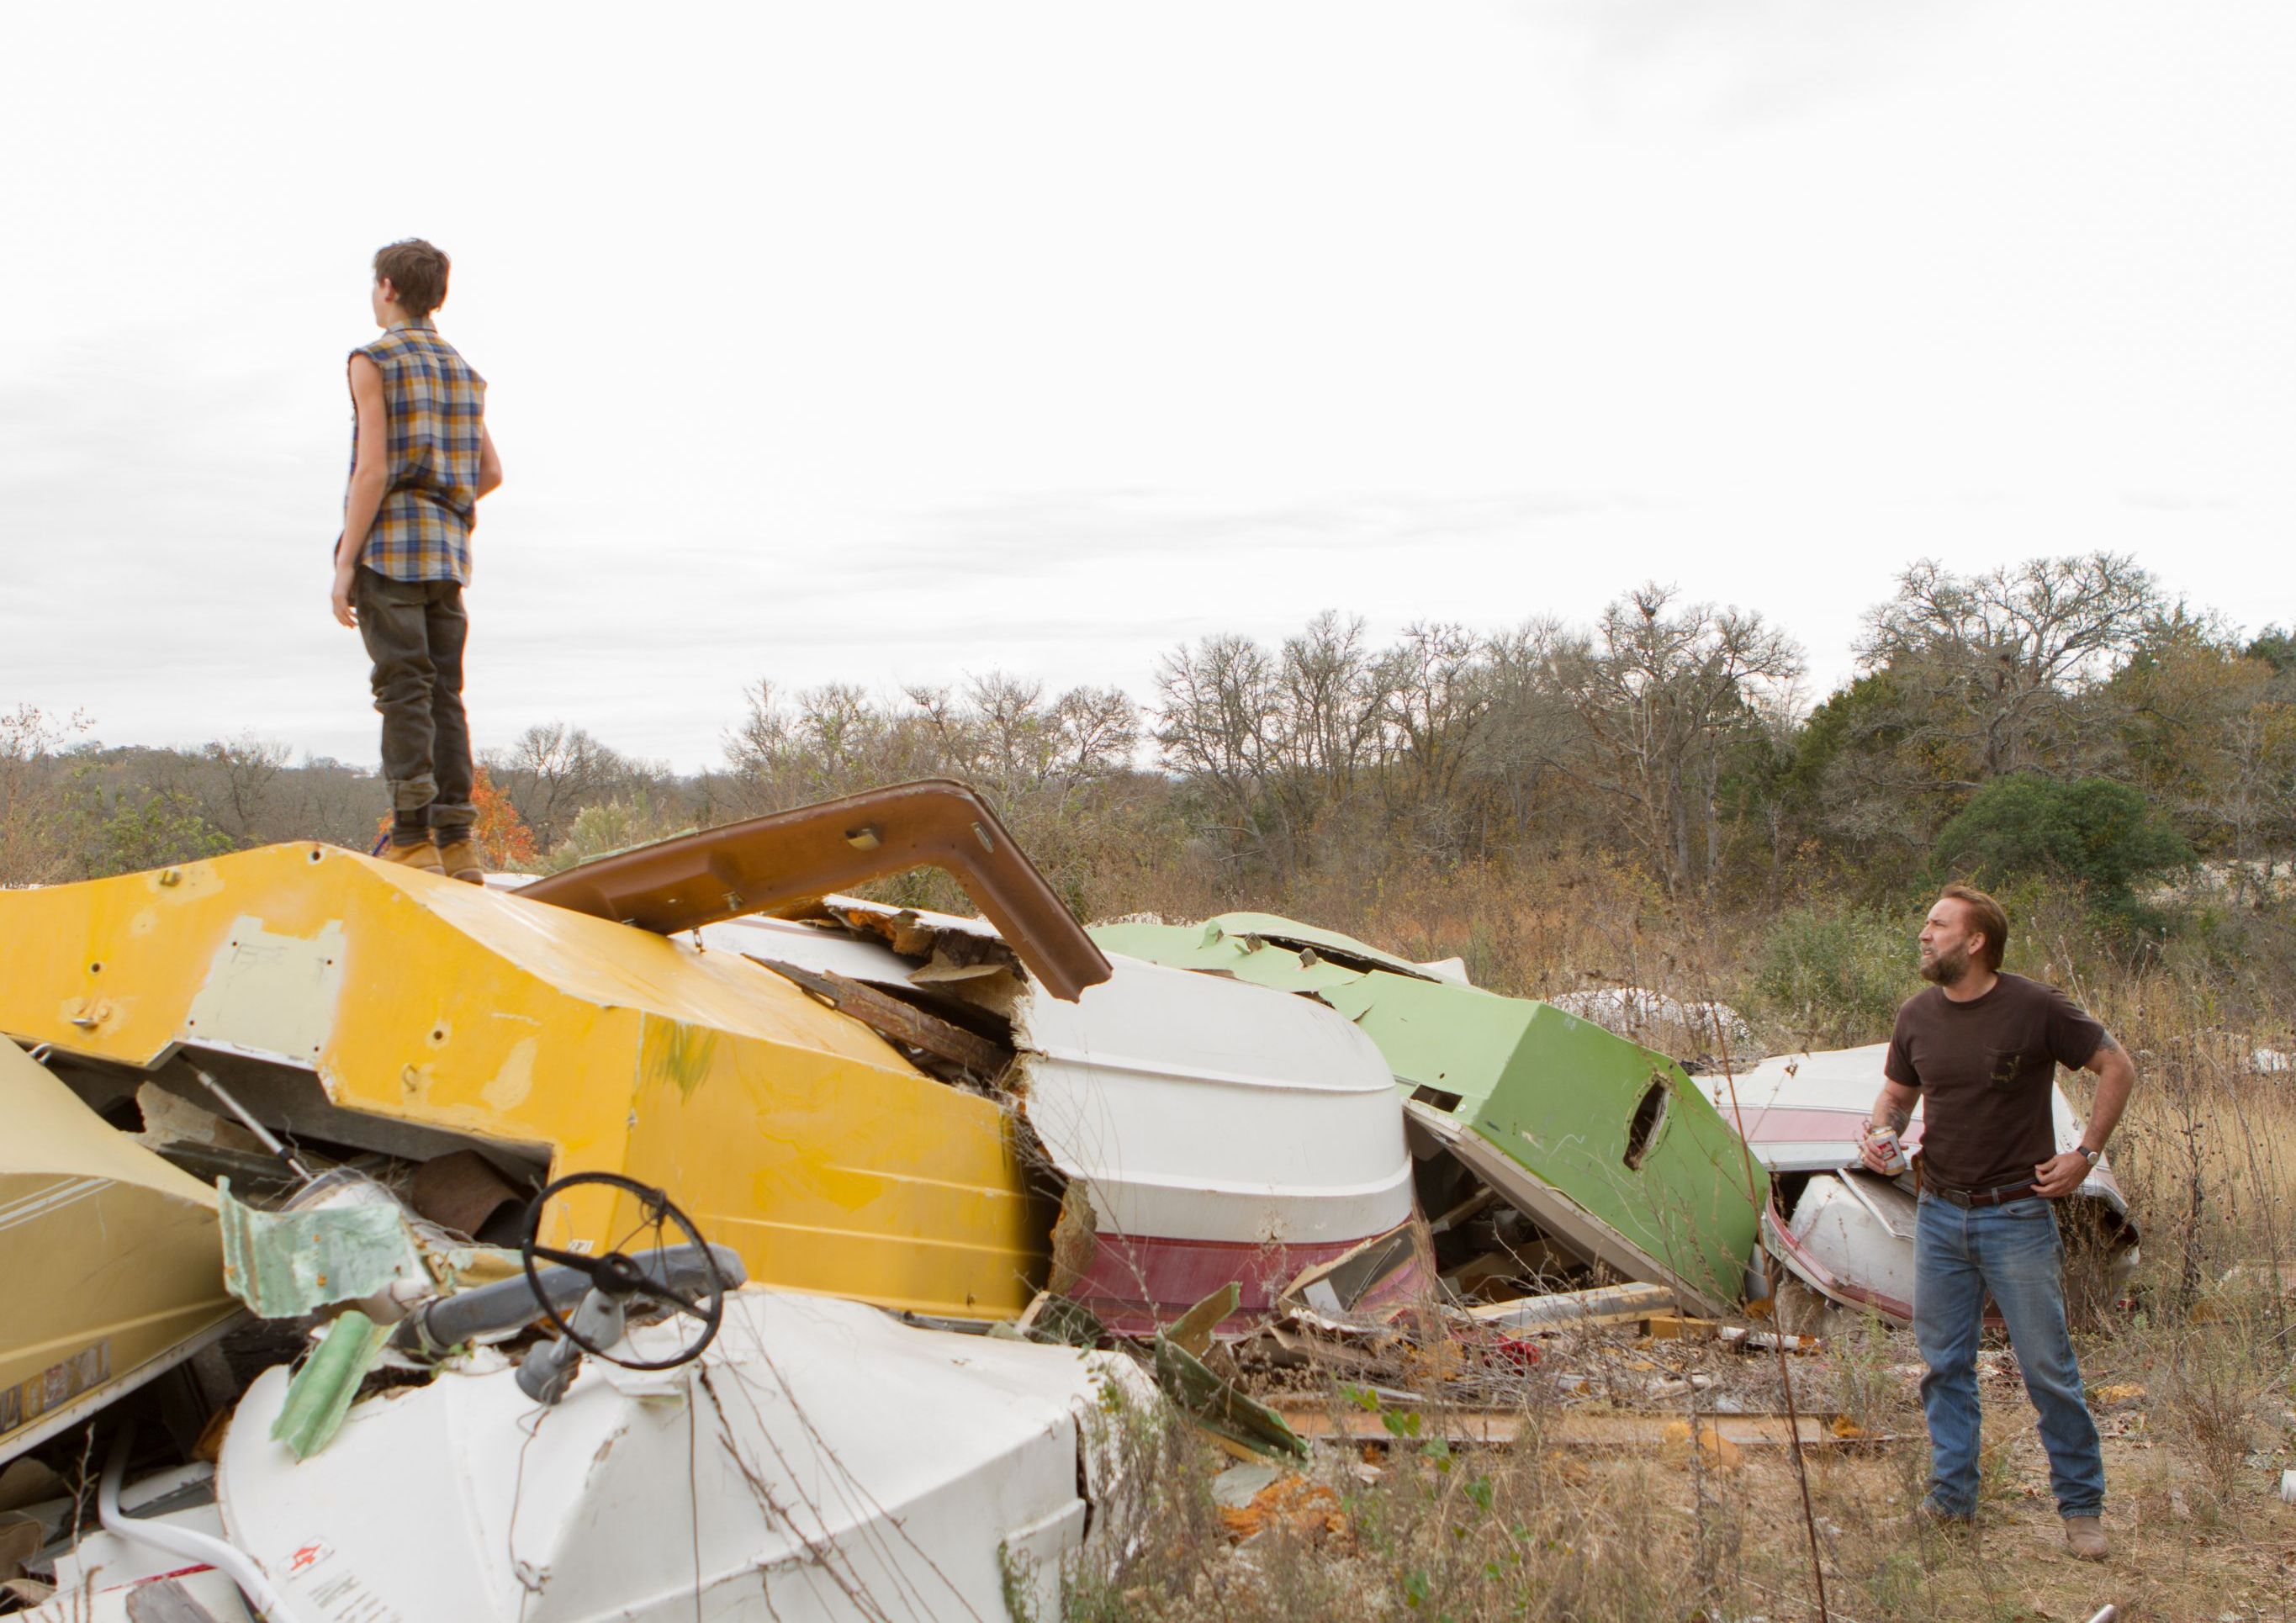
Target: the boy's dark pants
pixel 414 631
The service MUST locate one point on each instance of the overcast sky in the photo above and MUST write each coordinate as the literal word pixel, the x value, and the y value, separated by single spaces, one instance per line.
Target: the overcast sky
pixel 886 343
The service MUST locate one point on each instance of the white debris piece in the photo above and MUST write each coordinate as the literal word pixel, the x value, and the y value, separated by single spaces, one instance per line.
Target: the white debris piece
pixel 1664 1023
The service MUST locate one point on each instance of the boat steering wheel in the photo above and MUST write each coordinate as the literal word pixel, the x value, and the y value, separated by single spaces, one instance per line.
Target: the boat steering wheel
pixel 616 1275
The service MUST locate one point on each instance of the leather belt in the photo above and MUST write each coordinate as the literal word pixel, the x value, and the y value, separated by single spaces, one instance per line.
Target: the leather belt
pixel 1967 1198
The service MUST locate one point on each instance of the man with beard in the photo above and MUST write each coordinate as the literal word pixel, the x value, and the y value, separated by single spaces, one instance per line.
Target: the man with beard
pixel 1982 1048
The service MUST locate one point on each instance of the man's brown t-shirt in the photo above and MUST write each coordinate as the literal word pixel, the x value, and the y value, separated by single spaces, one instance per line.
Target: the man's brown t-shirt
pixel 1985 1069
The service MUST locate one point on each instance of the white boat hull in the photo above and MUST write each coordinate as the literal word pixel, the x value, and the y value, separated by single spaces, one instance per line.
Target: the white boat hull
pixel 1219 1131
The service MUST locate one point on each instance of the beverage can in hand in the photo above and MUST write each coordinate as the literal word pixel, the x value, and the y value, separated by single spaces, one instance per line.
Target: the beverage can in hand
pixel 1893 1152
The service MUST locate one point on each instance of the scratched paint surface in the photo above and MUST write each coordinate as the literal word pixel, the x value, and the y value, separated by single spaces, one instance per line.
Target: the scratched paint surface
pixel 786 1130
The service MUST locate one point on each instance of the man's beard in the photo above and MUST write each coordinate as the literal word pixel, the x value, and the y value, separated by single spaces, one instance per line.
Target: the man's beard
pixel 1946 968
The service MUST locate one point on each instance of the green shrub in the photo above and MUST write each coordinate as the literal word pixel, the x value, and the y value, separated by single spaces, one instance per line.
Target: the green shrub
pixel 2101 834
pixel 1833 980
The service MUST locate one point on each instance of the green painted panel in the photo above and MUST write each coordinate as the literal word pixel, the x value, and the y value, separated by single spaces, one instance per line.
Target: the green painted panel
pixel 1211 946
pixel 1556 1095
pixel 1268 925
pixel 1437 1034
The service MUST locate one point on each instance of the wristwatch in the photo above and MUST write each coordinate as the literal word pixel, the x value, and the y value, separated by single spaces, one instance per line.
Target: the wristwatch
pixel 2087 1154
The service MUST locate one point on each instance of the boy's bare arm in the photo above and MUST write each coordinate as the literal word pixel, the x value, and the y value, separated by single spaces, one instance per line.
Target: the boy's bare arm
pixel 489 464
pixel 369 474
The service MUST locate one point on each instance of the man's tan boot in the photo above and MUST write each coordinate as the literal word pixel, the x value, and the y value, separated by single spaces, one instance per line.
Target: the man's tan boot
pixel 420 854
pixel 459 858
pixel 2085 1536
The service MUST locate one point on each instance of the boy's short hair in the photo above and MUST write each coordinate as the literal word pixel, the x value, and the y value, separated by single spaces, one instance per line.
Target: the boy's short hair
pixel 1981 912
pixel 417 272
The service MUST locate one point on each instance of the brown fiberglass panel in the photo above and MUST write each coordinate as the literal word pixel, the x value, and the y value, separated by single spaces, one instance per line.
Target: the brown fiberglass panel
pixel 784 860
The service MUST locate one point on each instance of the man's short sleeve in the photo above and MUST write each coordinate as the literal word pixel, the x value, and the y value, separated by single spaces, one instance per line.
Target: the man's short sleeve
pixel 1898 1067
pixel 2073 1035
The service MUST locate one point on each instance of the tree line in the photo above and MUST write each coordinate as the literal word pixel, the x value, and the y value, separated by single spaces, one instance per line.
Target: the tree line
pixel 2062 715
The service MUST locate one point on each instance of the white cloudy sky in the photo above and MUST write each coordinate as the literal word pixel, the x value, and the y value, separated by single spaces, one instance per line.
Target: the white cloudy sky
pixel 883 344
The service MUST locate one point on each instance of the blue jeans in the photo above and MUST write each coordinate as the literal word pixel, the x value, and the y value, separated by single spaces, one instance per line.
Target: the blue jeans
pixel 2014 1253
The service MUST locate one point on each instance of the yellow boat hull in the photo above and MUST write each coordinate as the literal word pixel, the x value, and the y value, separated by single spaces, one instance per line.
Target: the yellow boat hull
pixel 786 1130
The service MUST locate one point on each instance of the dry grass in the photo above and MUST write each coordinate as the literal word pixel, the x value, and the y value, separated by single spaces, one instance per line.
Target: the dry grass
pixel 1526 1531
pixel 2194 1369
pixel 1676 1533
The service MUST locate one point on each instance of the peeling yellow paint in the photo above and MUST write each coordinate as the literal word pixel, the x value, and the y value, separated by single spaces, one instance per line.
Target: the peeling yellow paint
pixel 515 1080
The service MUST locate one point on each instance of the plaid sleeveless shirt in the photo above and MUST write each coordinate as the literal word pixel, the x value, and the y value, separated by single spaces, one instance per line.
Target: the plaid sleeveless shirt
pixel 436 407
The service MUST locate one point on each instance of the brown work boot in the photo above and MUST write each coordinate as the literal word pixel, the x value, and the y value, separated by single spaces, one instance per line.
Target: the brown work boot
pixel 420 854
pixel 459 858
pixel 2085 1536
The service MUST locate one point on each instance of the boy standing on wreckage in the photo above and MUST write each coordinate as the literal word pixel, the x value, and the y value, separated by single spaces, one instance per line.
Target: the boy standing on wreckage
pixel 421 459
pixel 1983 1048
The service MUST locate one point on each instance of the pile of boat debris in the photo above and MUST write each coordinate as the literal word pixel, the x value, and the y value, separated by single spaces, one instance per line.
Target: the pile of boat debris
pixel 682 1235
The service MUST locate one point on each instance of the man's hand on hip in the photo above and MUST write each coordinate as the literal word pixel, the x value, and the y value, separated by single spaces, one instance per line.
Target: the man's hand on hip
pixel 2060 1175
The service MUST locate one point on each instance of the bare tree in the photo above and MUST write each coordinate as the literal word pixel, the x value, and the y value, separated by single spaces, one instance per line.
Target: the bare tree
pixel 551 773
pixel 1222 724
pixel 33 849
pixel 1334 701
pixel 1991 667
pixel 1532 728
pixel 765 732
pixel 1099 730
pixel 1019 740
pixel 1436 689
pixel 238 791
pixel 1662 698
